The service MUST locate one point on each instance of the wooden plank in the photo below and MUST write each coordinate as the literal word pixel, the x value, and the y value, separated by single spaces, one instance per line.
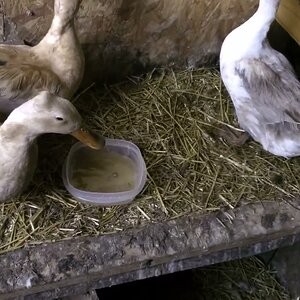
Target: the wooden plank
pixel 288 16
pixel 75 266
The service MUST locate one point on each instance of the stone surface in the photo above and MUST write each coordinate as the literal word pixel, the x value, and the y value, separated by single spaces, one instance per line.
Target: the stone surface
pixel 75 266
pixel 121 37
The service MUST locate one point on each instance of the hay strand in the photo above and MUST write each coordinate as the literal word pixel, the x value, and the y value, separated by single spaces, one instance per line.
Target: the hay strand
pixel 172 117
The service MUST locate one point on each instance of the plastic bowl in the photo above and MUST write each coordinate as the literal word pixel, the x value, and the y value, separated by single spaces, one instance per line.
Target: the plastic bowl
pixel 122 147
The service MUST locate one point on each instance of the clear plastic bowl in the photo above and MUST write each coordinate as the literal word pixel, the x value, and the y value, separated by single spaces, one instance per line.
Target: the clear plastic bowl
pixel 107 199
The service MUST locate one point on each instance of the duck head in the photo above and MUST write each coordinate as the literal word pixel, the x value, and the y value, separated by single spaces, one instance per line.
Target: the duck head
pixel 47 113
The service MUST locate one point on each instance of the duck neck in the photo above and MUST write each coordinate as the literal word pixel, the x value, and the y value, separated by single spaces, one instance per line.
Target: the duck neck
pixel 62 49
pixel 17 134
pixel 61 26
pixel 63 20
pixel 261 21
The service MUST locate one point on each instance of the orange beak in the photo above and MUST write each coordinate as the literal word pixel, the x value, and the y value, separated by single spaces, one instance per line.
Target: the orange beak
pixel 89 138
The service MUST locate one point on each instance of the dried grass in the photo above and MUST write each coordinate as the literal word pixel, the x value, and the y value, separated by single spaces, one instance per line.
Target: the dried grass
pixel 247 279
pixel 171 117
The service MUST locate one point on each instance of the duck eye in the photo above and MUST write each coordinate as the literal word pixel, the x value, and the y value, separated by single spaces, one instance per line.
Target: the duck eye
pixel 59 118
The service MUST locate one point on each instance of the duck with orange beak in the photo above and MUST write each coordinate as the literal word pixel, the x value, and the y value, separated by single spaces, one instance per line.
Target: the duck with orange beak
pixel 45 113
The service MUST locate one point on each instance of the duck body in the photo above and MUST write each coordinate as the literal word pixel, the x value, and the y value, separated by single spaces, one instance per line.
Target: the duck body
pixel 56 64
pixel 17 164
pixel 262 84
pixel 44 113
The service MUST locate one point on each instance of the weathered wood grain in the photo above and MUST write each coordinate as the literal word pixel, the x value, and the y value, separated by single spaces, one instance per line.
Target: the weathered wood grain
pixel 78 265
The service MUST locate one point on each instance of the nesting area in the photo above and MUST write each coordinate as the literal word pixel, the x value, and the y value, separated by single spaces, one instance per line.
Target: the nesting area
pixel 173 116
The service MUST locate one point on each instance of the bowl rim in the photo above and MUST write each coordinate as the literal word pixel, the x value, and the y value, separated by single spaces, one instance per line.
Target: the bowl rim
pixel 117 196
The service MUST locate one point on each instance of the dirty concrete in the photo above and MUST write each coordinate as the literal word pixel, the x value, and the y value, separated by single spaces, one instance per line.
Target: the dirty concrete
pixel 122 37
pixel 78 265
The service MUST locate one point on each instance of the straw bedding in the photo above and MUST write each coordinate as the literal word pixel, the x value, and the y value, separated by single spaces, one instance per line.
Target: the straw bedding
pixel 172 116
pixel 247 279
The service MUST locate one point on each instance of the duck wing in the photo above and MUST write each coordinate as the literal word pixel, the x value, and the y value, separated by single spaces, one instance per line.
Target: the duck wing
pixel 272 87
pixel 21 77
pixel 22 81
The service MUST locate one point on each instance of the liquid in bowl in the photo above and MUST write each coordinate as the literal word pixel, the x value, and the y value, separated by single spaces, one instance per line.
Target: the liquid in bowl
pixel 103 171
pixel 114 175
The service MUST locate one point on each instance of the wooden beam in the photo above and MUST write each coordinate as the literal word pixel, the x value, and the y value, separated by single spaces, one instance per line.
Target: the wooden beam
pixel 288 16
pixel 75 266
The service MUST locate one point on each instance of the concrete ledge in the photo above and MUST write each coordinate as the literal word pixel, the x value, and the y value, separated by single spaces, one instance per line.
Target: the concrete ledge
pixel 75 266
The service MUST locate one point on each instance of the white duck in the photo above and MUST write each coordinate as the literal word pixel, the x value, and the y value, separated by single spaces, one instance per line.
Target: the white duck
pixel 56 64
pixel 45 113
pixel 262 84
